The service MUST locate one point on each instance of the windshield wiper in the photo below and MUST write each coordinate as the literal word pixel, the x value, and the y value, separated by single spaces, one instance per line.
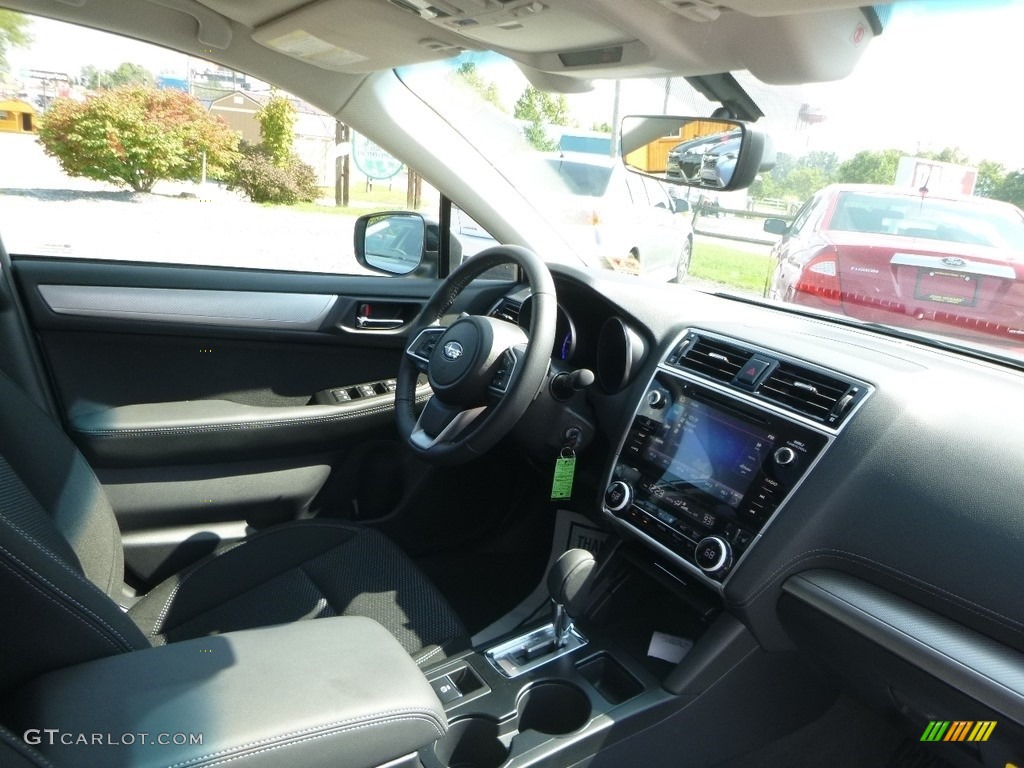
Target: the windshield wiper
pixel 886 330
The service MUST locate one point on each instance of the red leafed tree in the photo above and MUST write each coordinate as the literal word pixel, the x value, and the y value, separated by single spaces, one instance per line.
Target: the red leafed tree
pixel 135 136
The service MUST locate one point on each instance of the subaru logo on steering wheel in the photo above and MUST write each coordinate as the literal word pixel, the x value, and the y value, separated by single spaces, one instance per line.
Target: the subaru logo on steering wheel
pixel 452 350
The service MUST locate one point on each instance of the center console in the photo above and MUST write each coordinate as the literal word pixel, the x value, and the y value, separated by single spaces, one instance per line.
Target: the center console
pixel 722 436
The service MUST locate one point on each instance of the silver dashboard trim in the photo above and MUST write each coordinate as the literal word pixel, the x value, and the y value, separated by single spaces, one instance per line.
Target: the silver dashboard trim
pixel 246 309
pixel 828 433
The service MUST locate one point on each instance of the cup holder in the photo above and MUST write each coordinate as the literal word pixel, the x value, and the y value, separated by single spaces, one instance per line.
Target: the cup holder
pixel 553 708
pixel 471 743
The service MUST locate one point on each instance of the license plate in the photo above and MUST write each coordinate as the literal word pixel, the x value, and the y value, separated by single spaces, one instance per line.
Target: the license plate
pixel 942 287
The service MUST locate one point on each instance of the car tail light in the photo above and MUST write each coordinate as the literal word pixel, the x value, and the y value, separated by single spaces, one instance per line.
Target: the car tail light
pixel 820 276
pixel 592 217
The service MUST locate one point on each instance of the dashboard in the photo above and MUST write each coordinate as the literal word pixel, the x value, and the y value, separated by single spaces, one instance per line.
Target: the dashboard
pixel 832 486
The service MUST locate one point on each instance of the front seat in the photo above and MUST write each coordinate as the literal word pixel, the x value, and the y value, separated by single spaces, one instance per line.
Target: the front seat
pixel 62 569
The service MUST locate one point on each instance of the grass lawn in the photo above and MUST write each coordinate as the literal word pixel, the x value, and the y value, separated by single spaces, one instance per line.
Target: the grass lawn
pixel 382 196
pixel 731 266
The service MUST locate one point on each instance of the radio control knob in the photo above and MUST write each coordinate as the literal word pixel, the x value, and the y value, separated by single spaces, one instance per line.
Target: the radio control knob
pixel 618 496
pixel 656 398
pixel 713 554
pixel 785 456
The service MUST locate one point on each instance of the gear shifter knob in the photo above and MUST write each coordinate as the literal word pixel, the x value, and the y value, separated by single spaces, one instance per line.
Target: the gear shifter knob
pixel 569 585
pixel 568 578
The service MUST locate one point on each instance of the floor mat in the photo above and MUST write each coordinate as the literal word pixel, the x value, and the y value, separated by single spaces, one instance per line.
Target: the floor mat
pixel 846 736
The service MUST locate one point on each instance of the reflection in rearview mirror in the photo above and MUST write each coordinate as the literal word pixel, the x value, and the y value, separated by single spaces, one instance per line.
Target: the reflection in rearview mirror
pixel 697 152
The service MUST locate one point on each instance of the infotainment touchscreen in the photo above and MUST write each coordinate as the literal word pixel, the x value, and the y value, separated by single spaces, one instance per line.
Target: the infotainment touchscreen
pixel 702 446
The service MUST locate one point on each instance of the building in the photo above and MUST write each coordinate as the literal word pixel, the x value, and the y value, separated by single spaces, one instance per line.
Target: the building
pixel 314 130
pixel 17 117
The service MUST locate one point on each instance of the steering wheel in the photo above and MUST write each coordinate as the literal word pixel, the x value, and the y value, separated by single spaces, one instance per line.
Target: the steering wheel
pixel 484 372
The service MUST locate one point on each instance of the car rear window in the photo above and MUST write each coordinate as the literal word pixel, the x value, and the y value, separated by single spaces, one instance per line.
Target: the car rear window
pixel 929 218
pixel 583 178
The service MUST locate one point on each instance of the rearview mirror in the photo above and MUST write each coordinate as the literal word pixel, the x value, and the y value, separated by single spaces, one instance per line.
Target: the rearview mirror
pixel 391 242
pixel 721 155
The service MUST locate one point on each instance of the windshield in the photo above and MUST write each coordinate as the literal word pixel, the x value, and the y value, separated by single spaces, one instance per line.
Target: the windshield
pixel 916 173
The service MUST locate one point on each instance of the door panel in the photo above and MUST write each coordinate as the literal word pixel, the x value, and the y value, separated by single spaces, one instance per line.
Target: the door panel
pixel 202 396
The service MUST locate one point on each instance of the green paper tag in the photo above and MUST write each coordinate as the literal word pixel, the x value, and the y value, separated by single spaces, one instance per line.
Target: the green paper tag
pixel 561 487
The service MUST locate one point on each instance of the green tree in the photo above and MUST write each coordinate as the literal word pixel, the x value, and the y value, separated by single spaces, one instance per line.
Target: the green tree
pixel 991 176
pixel 953 155
pixel 93 77
pixel 13 34
pixel 135 136
pixel 802 182
pixel 264 181
pixel 601 127
pixel 534 105
pixel 277 129
pixel 1011 189
pixel 539 109
pixel 128 73
pixel 486 88
pixel 870 167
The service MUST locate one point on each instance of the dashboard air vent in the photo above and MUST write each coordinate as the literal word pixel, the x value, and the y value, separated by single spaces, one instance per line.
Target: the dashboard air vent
pixel 508 310
pixel 807 391
pixel 711 357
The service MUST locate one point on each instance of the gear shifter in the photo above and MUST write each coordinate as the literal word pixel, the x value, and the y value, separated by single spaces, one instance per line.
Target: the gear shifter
pixel 569 586
pixel 568 583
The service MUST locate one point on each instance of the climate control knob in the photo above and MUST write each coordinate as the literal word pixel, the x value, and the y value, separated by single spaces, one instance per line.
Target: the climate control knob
pixel 713 554
pixel 618 496
pixel 785 456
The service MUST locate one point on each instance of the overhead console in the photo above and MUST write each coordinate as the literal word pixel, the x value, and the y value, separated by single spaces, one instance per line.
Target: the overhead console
pixel 722 436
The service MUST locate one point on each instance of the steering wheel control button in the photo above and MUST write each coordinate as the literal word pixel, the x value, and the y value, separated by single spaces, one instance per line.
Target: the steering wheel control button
pixel 618 496
pixel 713 555
pixel 785 456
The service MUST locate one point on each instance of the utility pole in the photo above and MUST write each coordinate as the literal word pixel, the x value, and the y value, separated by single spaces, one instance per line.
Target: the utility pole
pixel 413 190
pixel 616 120
pixel 342 135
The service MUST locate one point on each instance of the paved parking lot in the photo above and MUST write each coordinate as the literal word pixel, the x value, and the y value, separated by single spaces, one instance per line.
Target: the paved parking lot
pixel 44 211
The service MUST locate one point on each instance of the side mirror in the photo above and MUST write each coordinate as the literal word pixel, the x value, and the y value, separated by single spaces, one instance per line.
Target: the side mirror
pixel 720 155
pixel 776 226
pixel 393 242
pixel 679 205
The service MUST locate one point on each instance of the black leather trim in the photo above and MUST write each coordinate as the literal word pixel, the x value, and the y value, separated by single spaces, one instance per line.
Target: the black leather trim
pixel 324 693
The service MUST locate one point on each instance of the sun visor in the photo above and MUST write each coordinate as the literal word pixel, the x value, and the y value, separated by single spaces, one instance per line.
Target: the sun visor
pixel 356 36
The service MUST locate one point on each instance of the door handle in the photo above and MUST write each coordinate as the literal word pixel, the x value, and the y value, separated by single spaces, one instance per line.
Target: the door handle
pixel 378 323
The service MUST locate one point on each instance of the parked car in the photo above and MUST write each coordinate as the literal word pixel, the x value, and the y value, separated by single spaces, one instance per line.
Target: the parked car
pixel 628 221
pixel 684 160
pixel 947 264
pixel 719 163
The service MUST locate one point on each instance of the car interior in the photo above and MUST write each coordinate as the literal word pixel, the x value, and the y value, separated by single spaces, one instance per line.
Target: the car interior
pixel 466 520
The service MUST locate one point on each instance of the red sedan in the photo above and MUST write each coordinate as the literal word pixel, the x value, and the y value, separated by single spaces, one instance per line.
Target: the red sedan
pixel 949 264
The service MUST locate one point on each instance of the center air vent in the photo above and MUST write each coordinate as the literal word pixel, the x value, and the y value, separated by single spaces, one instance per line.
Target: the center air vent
pixel 808 392
pixel 709 357
pixel 813 393
pixel 508 310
